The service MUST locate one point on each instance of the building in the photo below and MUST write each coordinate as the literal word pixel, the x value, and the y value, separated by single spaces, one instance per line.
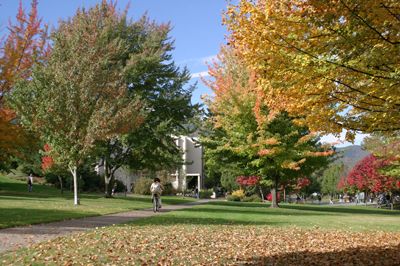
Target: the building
pixel 189 176
pixel 191 173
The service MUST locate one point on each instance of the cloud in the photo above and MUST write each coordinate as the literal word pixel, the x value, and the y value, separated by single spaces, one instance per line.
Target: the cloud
pixel 340 142
pixel 209 59
pixel 196 62
pixel 200 75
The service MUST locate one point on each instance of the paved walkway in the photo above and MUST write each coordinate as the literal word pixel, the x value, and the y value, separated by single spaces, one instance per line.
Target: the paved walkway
pixel 17 237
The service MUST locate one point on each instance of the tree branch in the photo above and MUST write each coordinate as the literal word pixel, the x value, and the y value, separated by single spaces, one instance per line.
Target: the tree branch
pixel 368 25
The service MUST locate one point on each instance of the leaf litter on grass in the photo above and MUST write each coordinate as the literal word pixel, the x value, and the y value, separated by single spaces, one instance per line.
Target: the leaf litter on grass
pixel 213 245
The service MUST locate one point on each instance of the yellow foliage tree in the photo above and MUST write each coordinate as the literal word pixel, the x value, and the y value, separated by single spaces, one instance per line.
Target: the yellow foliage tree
pixel 333 64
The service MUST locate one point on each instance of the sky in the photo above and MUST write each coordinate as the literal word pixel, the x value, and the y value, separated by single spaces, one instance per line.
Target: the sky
pixel 197 30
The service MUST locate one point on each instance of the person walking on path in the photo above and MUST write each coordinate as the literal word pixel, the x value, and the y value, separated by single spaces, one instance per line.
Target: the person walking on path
pixel 156 189
pixel 30 182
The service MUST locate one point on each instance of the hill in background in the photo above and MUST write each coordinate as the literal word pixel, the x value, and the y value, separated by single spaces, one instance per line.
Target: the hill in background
pixel 349 156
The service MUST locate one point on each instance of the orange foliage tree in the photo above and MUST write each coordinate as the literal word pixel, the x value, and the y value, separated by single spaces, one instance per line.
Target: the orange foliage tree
pixel 25 44
pixel 271 146
pixel 333 64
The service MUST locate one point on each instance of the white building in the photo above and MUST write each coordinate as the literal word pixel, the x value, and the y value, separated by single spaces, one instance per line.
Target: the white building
pixel 192 170
pixel 190 174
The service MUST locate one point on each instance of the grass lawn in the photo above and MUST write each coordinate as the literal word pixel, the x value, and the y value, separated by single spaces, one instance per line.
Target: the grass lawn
pixel 45 204
pixel 355 218
pixel 227 233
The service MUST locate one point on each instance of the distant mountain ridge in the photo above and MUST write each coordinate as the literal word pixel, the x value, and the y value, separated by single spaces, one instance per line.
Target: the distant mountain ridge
pixel 350 155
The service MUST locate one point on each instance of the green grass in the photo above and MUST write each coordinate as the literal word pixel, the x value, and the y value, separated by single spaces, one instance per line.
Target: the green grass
pixel 46 204
pixel 230 233
pixel 355 218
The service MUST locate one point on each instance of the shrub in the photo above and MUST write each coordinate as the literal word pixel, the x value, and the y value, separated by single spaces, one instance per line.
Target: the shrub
pixel 238 193
pixel 53 179
pixel 205 194
pixel 228 181
pixel 91 181
pixel 233 198
pixel 252 198
pixel 168 188
pixel 142 186
pixel 120 186
pixel 269 197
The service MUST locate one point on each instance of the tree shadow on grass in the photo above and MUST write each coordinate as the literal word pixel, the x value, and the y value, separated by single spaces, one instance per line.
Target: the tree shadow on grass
pixel 12 217
pixel 314 208
pixel 44 195
pixel 173 200
pixel 19 191
pixel 353 256
pixel 252 211
pixel 343 209
pixel 240 204
pixel 170 220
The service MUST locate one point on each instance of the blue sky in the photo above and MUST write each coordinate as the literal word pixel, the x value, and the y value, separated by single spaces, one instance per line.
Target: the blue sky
pixel 196 28
pixel 196 25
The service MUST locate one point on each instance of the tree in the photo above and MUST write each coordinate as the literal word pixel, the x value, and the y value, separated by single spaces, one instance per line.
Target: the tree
pixel 219 162
pixel 366 177
pixel 50 167
pixel 25 44
pixel 336 62
pixel 80 96
pixel 160 84
pixel 330 178
pixel 273 148
pixel 387 148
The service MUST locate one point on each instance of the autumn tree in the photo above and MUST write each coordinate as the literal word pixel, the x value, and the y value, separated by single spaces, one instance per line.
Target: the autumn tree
pixel 80 96
pixel 365 177
pixel 385 147
pixel 24 44
pixel 274 148
pixel 331 64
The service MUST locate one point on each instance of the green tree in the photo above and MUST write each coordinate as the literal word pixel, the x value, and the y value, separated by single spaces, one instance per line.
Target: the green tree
pixel 276 149
pixel 79 96
pixel 221 164
pixel 330 178
pixel 161 86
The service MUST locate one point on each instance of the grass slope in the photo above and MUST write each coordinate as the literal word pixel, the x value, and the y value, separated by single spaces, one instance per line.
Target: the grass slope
pixel 45 204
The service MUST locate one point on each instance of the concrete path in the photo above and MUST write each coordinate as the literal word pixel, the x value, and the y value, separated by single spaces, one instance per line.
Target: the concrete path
pixel 17 237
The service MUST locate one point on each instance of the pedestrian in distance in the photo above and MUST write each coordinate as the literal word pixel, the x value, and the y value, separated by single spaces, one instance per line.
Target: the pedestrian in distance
pixel 30 182
pixel 156 190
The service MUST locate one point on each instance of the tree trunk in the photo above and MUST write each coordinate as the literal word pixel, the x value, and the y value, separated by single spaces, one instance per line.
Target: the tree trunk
pixel 365 197
pixel 274 192
pixel 61 184
pixel 284 194
pixel 73 170
pixel 262 194
pixel 107 180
